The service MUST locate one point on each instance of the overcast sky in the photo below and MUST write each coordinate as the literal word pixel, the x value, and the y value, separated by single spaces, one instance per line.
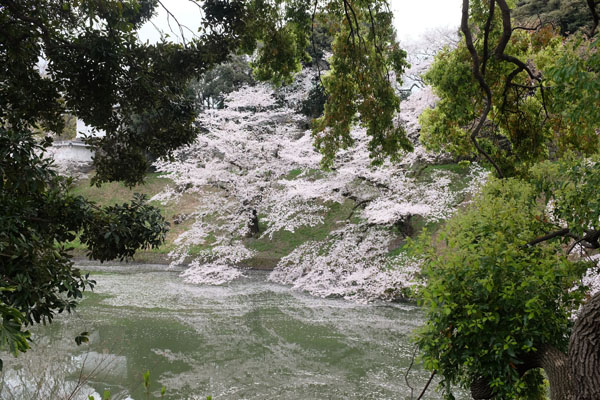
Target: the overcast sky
pixel 413 17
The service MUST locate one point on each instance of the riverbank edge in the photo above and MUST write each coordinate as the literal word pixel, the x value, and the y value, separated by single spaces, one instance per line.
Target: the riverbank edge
pixel 162 263
pixel 147 257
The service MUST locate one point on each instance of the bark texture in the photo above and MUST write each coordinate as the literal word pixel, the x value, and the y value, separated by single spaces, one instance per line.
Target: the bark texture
pixel 253 228
pixel 481 390
pixel 555 364
pixel 584 351
pixel 572 377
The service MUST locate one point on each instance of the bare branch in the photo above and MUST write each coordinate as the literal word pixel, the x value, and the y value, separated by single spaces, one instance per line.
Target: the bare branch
pixel 482 83
pixel 427 385
pixel 312 38
pixel 377 48
pixel 552 235
pixel 179 25
pixel 504 39
pixel 486 35
pixel 349 22
pixel 412 361
pixel 525 28
pixel 355 20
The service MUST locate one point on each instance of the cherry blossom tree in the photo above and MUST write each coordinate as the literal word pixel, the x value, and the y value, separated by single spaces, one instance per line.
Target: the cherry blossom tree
pixel 241 167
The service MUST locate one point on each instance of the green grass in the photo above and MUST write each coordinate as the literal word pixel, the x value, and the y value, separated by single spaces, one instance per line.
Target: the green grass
pixel 459 176
pixel 396 252
pixel 115 193
pixel 270 251
pixel 293 174
pixel 309 174
pixel 199 248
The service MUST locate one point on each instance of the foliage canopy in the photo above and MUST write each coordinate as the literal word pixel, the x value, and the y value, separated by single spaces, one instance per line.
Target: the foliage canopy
pixel 502 280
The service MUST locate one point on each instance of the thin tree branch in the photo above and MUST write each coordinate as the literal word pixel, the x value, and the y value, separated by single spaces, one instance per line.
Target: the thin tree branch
pixel 377 48
pixel 525 28
pixel 427 385
pixel 349 23
pixel 486 35
pixel 360 39
pixel 181 26
pixel 572 247
pixel 482 83
pixel 356 206
pixel 312 37
pixel 504 39
pixel 552 235
pixel 412 361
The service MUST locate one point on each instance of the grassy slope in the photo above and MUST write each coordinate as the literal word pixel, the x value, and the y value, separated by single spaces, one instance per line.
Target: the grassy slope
pixel 113 193
pixel 269 250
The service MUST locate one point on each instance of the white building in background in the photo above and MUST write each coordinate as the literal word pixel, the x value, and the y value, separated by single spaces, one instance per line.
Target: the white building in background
pixel 73 157
pixel 71 151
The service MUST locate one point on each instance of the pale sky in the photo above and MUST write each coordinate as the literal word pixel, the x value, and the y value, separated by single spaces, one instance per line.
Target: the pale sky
pixel 413 17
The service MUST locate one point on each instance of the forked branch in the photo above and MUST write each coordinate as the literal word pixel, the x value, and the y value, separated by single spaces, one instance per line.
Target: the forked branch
pixel 464 26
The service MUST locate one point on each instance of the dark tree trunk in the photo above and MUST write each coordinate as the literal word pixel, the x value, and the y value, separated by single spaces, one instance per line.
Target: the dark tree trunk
pixel 481 390
pixel 584 351
pixel 253 228
pixel 572 377
pixel 555 364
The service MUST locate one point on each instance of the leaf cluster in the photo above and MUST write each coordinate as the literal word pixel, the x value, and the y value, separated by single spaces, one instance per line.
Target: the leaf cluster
pixel 570 190
pixel 358 86
pixel 500 286
pixel 533 117
pixel 570 16
pixel 210 90
pixel 576 93
pixel 38 214
pixel 517 132
pixel 284 33
pixel 491 300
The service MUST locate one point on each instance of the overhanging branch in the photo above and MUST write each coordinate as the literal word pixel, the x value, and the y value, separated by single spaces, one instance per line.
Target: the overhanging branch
pixel 482 83
pixel 560 233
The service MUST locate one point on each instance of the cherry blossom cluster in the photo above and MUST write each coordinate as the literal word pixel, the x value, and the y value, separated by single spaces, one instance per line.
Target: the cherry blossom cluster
pixel 256 161
pixel 352 263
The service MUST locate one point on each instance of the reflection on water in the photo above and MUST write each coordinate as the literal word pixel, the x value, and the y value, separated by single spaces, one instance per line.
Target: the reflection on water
pixel 249 339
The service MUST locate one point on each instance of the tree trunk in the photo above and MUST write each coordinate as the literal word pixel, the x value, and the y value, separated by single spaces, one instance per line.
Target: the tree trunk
pixel 253 228
pixel 576 377
pixel 584 351
pixel 555 364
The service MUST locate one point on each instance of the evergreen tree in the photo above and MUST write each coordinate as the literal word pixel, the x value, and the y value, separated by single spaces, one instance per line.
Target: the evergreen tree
pixel 569 16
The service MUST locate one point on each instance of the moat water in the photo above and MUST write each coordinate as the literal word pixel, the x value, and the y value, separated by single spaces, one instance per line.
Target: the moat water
pixel 249 339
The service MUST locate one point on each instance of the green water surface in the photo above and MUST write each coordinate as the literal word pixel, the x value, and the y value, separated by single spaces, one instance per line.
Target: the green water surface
pixel 249 339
